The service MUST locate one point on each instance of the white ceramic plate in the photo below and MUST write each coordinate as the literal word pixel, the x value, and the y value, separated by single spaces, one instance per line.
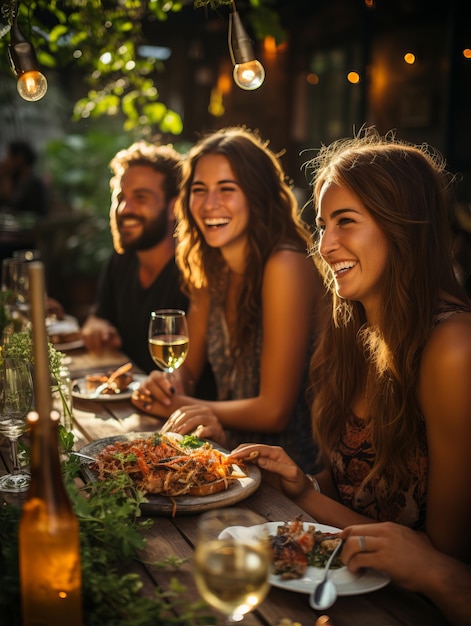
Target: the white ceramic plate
pixel 79 390
pixel 69 345
pixel 347 583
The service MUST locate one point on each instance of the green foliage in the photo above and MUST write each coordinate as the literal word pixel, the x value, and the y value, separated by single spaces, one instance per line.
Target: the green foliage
pixel 20 346
pixel 110 539
pixel 98 39
pixel 78 165
pixel 4 317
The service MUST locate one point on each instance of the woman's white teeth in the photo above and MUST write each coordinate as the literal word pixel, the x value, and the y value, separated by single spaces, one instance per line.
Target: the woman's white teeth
pixel 216 221
pixel 345 265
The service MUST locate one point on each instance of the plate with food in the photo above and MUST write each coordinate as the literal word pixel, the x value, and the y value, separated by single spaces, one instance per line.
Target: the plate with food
pixel 300 552
pixel 65 334
pixel 116 385
pixel 177 474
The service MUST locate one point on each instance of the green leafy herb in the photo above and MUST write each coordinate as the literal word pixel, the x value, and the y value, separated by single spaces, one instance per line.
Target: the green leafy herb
pixel 190 441
pixel 110 522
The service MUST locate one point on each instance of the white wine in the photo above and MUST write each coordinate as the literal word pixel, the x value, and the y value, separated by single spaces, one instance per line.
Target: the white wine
pixel 232 576
pixel 168 351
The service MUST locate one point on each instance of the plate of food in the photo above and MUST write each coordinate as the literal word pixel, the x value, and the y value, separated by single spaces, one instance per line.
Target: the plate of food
pixel 300 552
pixel 177 474
pixel 65 334
pixel 117 385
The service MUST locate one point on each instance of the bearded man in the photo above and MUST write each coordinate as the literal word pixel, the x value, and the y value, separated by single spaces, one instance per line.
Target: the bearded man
pixel 141 275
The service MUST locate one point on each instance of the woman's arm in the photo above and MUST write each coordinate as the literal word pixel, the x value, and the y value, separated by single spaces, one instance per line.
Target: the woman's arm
pixel 286 476
pixel 289 284
pixel 445 399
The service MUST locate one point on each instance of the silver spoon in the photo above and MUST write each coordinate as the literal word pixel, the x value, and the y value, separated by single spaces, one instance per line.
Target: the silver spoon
pixel 324 593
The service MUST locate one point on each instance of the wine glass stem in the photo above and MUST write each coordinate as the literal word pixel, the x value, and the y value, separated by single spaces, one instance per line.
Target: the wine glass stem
pixel 175 382
pixel 14 455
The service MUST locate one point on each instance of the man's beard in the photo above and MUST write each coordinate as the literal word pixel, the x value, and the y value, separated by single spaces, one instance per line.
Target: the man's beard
pixel 153 233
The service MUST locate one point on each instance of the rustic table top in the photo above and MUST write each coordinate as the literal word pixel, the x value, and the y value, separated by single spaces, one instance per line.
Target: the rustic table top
pixel 175 536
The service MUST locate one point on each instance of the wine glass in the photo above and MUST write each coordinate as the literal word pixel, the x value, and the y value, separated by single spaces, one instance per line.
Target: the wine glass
pixel 232 561
pixel 16 397
pixel 15 285
pixel 168 338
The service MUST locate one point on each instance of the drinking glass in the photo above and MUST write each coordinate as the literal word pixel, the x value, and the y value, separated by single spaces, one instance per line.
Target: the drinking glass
pixel 168 338
pixel 232 561
pixel 15 285
pixel 16 397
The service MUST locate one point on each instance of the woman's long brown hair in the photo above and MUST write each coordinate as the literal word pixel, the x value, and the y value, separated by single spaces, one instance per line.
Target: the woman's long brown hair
pixel 274 219
pixel 406 191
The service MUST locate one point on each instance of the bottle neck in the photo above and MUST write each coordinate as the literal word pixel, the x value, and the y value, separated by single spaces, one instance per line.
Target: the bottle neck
pixel 46 473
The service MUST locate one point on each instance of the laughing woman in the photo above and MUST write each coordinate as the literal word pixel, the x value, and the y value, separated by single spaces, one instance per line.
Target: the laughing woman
pixel 392 373
pixel 255 300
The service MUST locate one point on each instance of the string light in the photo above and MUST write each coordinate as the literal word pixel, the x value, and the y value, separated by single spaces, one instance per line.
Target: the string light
pixel 32 84
pixel 248 73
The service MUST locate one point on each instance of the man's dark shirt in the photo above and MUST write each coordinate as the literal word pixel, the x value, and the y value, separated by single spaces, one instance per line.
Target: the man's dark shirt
pixel 127 305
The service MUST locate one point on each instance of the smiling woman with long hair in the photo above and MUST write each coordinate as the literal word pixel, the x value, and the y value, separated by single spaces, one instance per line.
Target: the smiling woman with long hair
pixel 255 299
pixel 391 376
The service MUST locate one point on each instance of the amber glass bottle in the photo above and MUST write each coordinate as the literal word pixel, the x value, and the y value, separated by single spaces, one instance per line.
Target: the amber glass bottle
pixel 49 546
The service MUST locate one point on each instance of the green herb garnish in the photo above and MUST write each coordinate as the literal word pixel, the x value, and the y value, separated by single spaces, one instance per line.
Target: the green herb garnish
pixel 190 441
pixel 110 522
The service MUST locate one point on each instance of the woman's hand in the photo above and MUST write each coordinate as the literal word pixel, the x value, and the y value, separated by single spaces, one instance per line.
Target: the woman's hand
pixel 159 387
pixel 197 420
pixel 400 552
pixel 290 478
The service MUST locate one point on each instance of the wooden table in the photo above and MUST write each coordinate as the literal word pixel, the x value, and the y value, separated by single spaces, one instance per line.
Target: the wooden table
pixel 390 606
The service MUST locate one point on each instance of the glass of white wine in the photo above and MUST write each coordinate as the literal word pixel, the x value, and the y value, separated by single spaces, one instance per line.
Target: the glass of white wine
pixel 168 338
pixel 232 561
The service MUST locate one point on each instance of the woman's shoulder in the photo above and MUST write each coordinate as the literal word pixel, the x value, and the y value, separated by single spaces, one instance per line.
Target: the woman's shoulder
pixel 448 308
pixel 448 347
pixel 289 253
pixel 290 264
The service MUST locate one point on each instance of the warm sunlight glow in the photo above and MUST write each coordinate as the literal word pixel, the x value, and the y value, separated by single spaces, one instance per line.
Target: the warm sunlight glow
pixel 269 45
pixel 312 78
pixel 105 58
pixel 216 106
pixel 224 84
pixel 353 77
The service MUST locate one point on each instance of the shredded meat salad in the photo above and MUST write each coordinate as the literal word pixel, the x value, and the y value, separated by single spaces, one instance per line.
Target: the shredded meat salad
pixel 168 465
pixel 295 548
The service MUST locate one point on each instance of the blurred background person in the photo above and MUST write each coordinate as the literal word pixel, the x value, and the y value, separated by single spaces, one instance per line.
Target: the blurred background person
pixel 22 190
pixel 24 198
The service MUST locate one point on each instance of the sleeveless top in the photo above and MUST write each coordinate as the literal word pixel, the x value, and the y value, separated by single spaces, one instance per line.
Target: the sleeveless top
pixel 240 380
pixel 353 456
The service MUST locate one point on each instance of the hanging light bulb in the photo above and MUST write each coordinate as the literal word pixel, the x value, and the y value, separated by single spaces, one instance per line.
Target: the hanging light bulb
pixel 248 72
pixel 32 84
